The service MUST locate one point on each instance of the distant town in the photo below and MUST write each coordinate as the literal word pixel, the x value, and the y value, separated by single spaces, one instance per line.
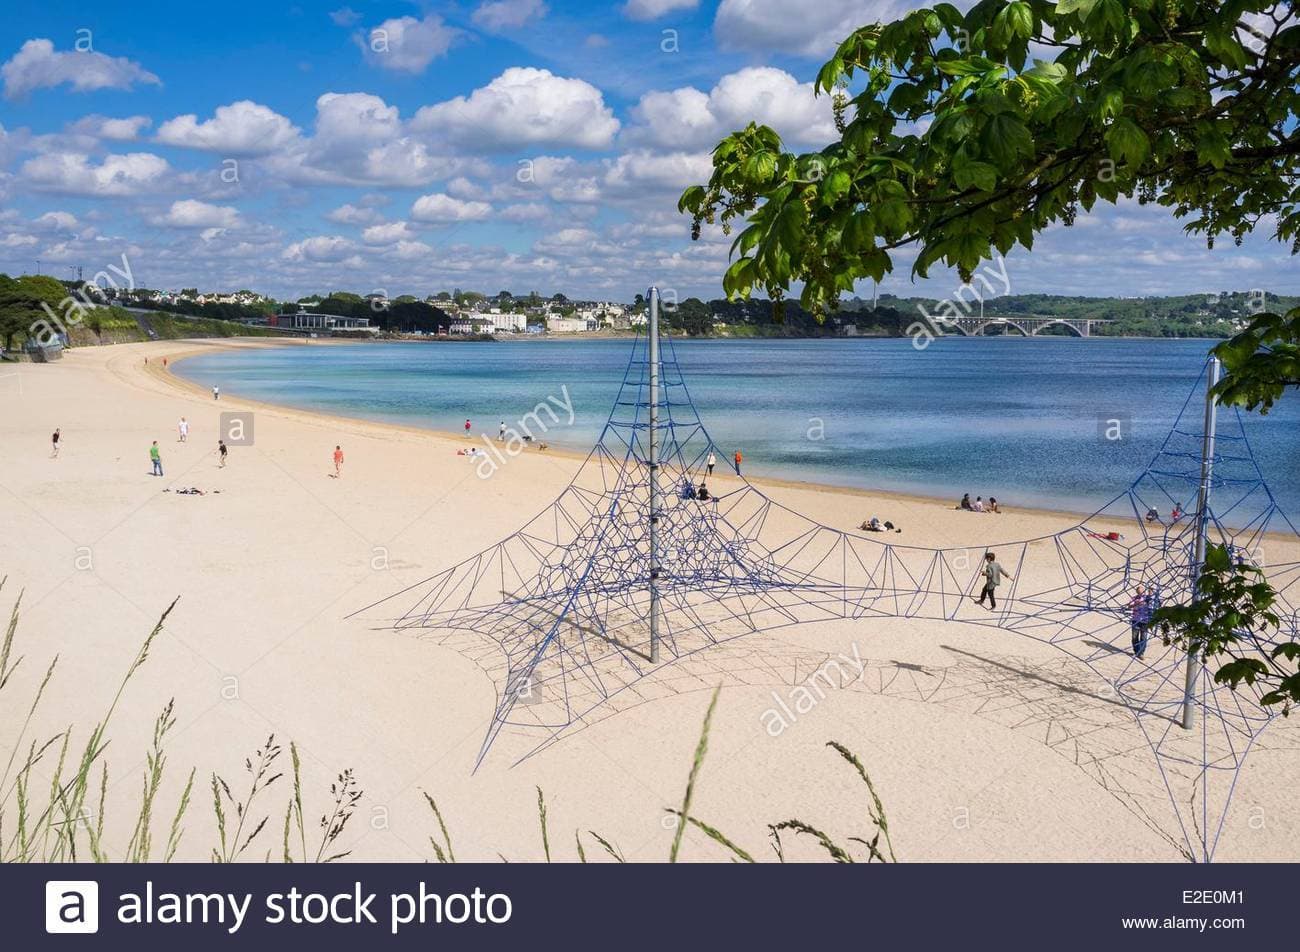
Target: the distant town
pixel 37 310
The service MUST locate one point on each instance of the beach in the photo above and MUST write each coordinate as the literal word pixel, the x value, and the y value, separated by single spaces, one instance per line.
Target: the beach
pixel 983 746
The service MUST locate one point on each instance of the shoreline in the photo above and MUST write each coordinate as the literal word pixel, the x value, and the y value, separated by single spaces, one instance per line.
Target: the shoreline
pixel 185 385
pixel 275 557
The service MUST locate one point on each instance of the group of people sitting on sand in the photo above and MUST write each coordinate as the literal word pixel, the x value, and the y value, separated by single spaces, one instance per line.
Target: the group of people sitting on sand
pixel 979 505
pixel 875 525
pixel 688 490
pixel 1174 514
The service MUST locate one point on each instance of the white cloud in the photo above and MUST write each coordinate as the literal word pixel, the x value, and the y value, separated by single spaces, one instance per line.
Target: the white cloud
pixel 118 130
pixel 406 44
pixel 654 9
pixel 37 66
pixel 815 29
pixel 331 248
pixel 241 128
pixel 387 234
pixel 687 118
pixel 526 211
pixel 361 140
pixel 524 106
pixel 353 215
pixel 637 171
pixel 57 221
pixel 135 173
pixel 441 208
pixel 496 15
pixel 189 213
pixel 344 16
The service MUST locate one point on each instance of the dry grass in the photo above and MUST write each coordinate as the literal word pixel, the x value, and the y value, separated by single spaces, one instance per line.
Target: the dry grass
pixel 63 821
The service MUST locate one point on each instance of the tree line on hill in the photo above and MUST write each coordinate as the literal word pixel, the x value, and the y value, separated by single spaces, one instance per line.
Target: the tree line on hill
pixel 402 315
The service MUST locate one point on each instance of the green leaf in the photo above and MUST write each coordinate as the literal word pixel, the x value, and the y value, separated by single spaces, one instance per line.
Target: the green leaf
pixel 1126 141
pixel 1005 138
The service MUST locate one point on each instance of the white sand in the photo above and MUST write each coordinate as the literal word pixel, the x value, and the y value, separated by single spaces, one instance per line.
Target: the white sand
pixel 983 745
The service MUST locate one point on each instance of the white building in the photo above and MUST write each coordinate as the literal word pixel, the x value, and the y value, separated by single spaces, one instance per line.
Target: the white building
pixel 570 325
pixel 509 323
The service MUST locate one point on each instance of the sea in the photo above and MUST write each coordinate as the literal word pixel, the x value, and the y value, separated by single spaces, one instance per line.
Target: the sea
pixel 1031 421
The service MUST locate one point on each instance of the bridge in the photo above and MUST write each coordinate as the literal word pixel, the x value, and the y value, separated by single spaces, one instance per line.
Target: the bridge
pixel 1027 326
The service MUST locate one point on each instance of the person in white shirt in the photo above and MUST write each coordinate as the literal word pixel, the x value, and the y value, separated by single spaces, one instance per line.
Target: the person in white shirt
pixel 183 428
pixel 712 461
pixel 501 431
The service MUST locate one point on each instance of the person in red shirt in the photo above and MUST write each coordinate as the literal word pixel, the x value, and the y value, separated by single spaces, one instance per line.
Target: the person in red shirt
pixel 467 427
pixel 338 461
pixel 739 459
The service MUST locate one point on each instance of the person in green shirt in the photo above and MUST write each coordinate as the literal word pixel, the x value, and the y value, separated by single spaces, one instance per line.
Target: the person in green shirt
pixel 993 574
pixel 156 457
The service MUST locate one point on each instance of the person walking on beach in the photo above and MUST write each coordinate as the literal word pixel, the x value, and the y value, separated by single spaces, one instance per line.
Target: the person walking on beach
pixel 54 445
pixel 1140 609
pixel 222 450
pixel 501 431
pixel 467 427
pixel 993 574
pixel 711 462
pixel 739 459
pixel 216 392
pixel 338 462
pixel 155 457
pixel 183 428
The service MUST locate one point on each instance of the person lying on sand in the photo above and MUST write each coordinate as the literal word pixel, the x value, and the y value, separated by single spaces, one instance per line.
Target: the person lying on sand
pixel 872 525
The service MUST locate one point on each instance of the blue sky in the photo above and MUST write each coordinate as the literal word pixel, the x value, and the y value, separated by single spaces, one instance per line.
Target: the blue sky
pixel 410 148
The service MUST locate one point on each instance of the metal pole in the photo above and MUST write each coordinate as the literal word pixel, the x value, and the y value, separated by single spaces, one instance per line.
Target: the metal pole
pixel 1202 526
pixel 654 474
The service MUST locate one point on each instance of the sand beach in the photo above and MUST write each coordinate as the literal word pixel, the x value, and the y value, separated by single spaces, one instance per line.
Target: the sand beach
pixel 984 746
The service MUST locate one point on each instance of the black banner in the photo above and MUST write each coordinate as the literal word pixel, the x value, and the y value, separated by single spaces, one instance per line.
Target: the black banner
pixel 195 907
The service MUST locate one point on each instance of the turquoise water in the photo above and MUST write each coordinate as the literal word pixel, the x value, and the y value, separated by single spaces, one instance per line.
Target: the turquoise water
pixel 1010 417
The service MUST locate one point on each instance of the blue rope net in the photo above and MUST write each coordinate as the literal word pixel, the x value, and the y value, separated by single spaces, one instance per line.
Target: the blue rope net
pixel 557 613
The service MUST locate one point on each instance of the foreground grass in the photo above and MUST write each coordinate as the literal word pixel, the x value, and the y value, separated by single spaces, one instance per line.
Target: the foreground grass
pixel 64 821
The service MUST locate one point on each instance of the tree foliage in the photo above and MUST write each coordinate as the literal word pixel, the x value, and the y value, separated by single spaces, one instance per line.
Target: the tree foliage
pixel 1233 620
pixel 1261 362
pixel 21 303
pixel 956 143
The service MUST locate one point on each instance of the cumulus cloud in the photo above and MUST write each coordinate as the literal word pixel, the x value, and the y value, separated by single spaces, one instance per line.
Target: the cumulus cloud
pixel 332 248
pixel 135 173
pixel 497 15
pixel 387 234
pixel 37 66
pixel 345 16
pixel 637 171
pixel 815 30
pixel 241 128
pixel 525 212
pixel 353 215
pixel 118 130
pixel 654 9
pixel 406 44
pixel 441 209
pixel 189 213
pixel 56 221
pixel 688 118
pixel 361 140
pixel 524 106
